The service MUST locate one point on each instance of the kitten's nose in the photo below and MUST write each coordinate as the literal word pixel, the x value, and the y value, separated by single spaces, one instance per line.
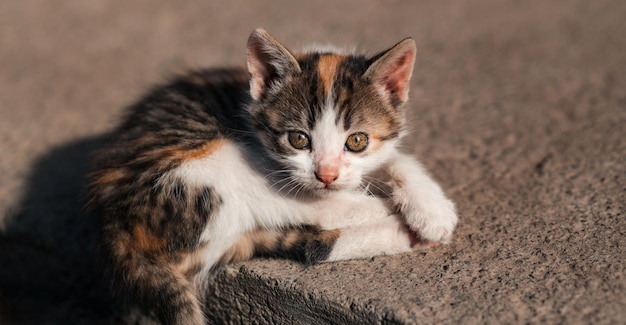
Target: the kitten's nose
pixel 326 177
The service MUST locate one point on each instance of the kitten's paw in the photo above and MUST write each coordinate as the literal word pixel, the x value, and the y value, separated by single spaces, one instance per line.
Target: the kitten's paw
pixel 417 242
pixel 434 223
pixel 386 236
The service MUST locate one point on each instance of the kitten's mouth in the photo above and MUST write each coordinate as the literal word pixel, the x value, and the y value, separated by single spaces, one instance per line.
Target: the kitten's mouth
pixel 326 189
pixel 331 187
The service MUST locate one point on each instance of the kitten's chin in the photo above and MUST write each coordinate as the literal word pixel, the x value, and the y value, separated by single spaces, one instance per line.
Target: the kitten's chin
pixel 329 190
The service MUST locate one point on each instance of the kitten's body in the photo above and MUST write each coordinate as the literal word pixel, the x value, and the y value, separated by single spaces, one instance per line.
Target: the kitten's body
pixel 223 164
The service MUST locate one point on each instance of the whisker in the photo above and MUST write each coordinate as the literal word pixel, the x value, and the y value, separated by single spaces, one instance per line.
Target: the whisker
pixel 371 181
pixel 297 185
pixel 277 172
pixel 300 190
pixel 291 181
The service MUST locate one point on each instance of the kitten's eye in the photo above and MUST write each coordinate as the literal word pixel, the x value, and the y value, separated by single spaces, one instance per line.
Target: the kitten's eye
pixel 299 140
pixel 356 142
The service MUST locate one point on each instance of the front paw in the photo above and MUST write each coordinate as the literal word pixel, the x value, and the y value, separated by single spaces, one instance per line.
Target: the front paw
pixel 434 223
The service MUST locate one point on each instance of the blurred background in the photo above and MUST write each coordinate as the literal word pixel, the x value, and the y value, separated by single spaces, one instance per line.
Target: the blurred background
pixel 518 109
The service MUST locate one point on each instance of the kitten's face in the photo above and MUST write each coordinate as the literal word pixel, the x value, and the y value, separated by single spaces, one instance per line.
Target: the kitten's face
pixel 325 117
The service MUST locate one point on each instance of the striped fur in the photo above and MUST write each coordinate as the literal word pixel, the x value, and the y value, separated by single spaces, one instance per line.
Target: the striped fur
pixel 201 172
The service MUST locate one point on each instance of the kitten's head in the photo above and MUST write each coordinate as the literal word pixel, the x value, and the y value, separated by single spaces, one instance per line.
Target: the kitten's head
pixel 328 118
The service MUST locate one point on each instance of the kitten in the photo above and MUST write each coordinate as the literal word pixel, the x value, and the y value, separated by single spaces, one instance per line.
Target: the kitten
pixel 282 159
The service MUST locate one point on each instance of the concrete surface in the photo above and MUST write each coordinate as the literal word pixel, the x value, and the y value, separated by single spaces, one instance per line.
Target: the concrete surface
pixel 519 110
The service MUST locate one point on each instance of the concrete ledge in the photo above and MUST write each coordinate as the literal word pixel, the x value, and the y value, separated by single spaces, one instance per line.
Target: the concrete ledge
pixel 244 296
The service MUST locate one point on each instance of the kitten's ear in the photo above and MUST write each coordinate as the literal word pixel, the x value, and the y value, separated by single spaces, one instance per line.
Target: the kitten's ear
pixel 268 62
pixel 391 71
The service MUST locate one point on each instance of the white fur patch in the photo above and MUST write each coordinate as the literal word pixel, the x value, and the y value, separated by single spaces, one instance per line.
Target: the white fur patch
pixel 385 236
pixel 247 202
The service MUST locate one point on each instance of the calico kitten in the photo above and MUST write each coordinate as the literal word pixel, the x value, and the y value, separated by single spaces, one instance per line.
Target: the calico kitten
pixel 281 159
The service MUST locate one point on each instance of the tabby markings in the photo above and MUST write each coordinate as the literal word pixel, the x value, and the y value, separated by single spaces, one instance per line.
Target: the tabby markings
pixel 327 69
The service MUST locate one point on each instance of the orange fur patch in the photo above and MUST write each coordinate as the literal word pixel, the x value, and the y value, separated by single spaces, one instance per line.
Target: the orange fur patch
pixel 109 176
pixel 145 240
pixel 264 240
pixel 329 237
pixel 190 263
pixel 327 68
pixel 242 250
pixel 375 143
pixel 291 239
pixel 206 150
pixel 251 243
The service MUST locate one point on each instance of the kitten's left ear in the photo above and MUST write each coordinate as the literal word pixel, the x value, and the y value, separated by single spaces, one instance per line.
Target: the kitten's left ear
pixel 391 71
pixel 268 62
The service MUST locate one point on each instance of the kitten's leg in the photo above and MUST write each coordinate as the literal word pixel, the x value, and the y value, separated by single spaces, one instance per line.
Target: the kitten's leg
pixel 285 243
pixel 420 200
pixel 364 228
pixel 386 236
pixel 313 244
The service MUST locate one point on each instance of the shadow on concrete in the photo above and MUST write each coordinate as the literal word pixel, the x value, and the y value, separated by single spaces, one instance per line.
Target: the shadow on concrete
pixel 49 267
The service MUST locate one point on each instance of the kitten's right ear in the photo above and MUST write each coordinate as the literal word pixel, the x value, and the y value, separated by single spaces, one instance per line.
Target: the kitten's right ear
pixel 268 62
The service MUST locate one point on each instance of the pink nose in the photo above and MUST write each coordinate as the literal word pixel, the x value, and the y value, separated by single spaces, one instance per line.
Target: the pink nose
pixel 327 177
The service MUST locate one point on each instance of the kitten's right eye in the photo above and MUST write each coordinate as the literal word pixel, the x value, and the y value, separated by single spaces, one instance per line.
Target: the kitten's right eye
pixel 299 140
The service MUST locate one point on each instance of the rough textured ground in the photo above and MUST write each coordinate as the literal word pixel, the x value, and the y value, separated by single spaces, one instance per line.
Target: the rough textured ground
pixel 519 110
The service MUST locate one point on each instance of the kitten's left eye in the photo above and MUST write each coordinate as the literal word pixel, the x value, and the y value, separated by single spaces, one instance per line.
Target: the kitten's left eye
pixel 357 142
pixel 299 140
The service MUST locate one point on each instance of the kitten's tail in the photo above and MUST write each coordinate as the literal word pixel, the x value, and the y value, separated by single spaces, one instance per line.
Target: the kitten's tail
pixel 156 285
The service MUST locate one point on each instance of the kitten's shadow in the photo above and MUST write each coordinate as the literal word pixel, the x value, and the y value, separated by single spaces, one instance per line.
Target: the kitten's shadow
pixel 49 270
